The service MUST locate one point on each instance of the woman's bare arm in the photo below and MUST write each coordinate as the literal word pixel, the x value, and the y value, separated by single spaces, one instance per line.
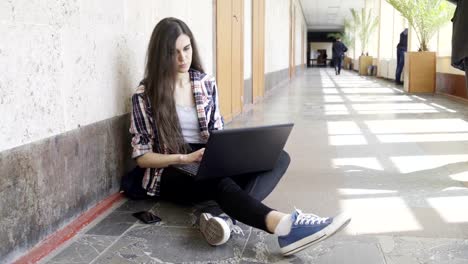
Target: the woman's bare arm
pixel 157 160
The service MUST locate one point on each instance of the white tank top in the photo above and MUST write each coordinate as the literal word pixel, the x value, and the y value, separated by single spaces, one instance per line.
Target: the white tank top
pixel 188 119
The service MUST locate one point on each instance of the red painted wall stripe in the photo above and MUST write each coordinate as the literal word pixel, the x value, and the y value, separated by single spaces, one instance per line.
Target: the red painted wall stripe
pixel 61 236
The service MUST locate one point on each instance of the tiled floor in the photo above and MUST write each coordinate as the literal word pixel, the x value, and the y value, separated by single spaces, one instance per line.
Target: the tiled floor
pixel 397 163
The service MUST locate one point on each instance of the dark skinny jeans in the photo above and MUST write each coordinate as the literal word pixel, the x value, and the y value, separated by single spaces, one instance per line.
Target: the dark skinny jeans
pixel 338 61
pixel 400 64
pixel 466 76
pixel 238 196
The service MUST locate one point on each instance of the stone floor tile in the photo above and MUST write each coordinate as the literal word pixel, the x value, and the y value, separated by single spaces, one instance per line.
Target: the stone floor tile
pixel 115 224
pixel 83 250
pixel 408 250
pixel 174 214
pixel 263 248
pixel 137 205
pixel 155 244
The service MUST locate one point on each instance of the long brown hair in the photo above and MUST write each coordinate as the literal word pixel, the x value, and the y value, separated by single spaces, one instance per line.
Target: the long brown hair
pixel 160 78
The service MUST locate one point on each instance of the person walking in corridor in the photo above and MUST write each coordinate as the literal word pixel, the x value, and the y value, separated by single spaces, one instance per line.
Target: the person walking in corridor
pixel 174 109
pixel 338 51
pixel 402 47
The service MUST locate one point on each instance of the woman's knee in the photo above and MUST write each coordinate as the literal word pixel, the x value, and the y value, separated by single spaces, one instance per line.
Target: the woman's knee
pixel 227 184
pixel 284 159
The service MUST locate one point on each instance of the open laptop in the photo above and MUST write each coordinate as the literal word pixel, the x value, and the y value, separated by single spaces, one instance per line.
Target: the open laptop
pixel 237 151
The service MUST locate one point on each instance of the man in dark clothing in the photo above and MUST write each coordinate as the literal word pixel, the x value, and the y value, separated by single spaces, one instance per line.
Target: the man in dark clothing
pixel 402 47
pixel 460 38
pixel 338 53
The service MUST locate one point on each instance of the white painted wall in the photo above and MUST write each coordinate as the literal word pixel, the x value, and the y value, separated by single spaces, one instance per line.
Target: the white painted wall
pixel 298 34
pixel 276 35
pixel 314 46
pixel 444 65
pixel 247 39
pixel 66 64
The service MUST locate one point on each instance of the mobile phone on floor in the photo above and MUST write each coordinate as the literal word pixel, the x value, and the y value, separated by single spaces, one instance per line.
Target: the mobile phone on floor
pixel 147 217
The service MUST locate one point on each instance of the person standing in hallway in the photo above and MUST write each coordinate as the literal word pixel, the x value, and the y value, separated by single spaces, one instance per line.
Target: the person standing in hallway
pixel 174 109
pixel 460 38
pixel 402 47
pixel 338 51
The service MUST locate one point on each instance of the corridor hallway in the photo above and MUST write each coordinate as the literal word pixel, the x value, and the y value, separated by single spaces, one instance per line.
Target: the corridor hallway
pixel 396 162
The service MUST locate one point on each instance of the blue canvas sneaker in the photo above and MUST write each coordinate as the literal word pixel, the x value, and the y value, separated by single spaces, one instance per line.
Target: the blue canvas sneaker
pixel 309 229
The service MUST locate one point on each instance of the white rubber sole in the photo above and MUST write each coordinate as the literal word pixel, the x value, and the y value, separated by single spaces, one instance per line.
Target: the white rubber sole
pixel 339 222
pixel 215 230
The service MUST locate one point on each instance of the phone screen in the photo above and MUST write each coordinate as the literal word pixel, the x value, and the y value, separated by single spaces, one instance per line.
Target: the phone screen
pixel 147 217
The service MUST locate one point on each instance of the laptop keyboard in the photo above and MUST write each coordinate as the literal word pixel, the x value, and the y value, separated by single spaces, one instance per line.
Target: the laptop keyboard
pixel 191 168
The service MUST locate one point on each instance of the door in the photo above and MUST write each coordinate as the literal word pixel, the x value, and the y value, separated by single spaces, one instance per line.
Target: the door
pixel 229 56
pixel 258 49
pixel 292 38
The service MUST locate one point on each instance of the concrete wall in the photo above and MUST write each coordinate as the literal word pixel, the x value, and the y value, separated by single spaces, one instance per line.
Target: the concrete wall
pixel 68 69
pixel 72 63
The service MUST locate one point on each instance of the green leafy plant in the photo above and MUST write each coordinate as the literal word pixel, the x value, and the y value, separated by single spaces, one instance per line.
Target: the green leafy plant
pixel 349 34
pixel 364 24
pixel 335 35
pixel 425 16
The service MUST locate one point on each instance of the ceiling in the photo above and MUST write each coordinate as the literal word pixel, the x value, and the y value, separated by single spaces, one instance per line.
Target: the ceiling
pixel 328 15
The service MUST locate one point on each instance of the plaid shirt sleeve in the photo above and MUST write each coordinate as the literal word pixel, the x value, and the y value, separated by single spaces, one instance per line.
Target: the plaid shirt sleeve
pixel 216 121
pixel 140 127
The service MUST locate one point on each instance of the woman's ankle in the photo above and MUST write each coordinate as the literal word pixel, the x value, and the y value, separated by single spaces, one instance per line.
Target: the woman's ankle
pixel 272 220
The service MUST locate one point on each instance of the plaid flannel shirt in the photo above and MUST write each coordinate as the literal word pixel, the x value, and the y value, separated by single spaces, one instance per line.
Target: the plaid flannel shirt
pixel 144 131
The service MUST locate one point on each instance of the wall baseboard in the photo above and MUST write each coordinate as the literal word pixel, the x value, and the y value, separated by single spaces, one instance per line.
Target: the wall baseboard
pixel 66 233
pixel 451 84
pixel 453 97
pixel 248 86
pixel 273 79
pixel 48 183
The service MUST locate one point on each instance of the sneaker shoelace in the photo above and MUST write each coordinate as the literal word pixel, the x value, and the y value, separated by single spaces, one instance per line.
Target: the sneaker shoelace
pixel 306 219
pixel 237 230
pixel 232 224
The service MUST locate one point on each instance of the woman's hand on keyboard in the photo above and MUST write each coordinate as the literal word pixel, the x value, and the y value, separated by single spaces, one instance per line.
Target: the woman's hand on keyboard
pixel 195 156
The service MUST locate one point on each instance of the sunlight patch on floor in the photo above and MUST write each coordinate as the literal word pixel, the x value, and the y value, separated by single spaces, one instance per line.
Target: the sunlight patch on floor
pixel 349 191
pixel 417 126
pixel 379 215
pixel 367 162
pixel 408 164
pixel 347 140
pixel 443 137
pixel 451 209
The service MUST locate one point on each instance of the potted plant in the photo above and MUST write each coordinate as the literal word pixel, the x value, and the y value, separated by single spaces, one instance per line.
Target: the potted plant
pixel 364 24
pixel 348 39
pixel 425 17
